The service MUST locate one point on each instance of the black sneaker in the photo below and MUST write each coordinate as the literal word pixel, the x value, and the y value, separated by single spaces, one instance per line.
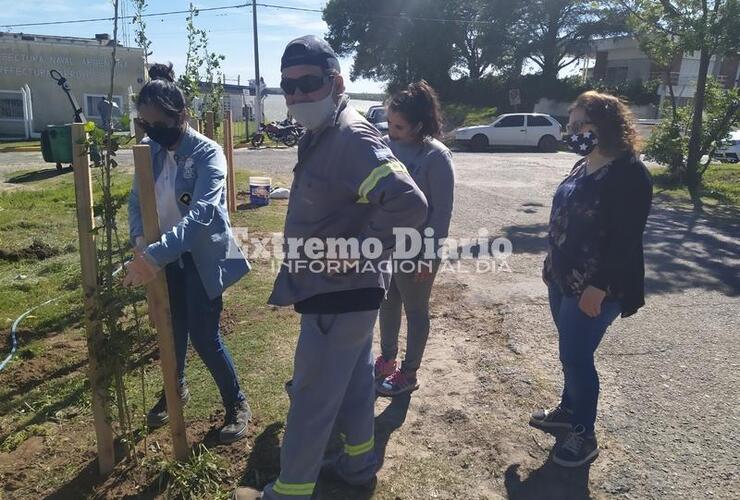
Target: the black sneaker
pixel 235 423
pixel 554 419
pixel 577 449
pixel 157 416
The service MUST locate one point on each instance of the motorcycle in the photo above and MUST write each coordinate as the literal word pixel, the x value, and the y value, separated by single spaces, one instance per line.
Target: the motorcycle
pixel 286 132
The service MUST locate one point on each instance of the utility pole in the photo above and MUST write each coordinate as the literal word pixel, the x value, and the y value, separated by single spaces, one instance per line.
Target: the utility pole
pixel 257 89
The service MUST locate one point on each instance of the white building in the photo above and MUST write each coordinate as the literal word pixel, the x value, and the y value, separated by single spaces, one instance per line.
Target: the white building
pixel 621 59
pixel 30 99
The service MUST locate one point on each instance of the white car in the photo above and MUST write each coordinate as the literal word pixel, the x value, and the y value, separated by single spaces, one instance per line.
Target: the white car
pixel 516 129
pixel 730 152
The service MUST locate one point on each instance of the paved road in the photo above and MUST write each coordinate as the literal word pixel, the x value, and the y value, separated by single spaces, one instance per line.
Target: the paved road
pixel 670 375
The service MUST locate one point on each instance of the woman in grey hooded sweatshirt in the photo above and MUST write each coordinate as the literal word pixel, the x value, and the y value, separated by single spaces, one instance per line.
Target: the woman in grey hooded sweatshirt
pixel 414 126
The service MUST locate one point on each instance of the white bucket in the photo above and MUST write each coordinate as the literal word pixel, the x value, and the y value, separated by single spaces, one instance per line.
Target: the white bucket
pixel 259 191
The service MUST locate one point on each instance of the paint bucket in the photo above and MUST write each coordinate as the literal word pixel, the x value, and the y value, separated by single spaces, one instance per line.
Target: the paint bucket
pixel 259 191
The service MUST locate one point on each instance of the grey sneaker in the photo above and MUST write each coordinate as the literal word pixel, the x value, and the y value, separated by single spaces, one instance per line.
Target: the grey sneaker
pixel 554 419
pixel 157 416
pixel 577 449
pixel 235 423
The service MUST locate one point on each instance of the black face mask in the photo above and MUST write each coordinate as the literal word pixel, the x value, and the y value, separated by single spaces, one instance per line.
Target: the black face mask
pixel 582 144
pixel 164 136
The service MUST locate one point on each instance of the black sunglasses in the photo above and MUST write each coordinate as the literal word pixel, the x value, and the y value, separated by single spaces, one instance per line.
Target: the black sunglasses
pixel 307 84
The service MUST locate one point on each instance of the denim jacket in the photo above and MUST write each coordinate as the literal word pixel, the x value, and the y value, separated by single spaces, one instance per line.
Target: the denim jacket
pixel 205 230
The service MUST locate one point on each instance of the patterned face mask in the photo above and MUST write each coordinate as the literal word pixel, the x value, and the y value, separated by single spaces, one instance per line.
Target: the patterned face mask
pixel 582 144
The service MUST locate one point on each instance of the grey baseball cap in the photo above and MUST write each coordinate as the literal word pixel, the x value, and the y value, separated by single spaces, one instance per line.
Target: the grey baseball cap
pixel 312 51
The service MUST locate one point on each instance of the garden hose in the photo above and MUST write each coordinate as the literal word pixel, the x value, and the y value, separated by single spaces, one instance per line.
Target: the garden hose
pixel 14 327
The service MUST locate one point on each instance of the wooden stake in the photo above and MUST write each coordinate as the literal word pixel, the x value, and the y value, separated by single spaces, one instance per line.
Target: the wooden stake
pixel 194 124
pixel 159 302
pixel 229 152
pixel 209 125
pixel 138 132
pixel 93 326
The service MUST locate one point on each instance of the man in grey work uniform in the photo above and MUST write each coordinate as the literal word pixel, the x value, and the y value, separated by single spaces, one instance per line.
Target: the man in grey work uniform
pixel 347 184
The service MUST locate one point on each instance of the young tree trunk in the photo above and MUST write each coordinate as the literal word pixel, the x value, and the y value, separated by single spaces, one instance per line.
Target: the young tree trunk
pixel 693 171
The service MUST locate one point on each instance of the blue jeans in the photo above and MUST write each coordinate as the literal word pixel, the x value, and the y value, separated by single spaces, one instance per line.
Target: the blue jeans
pixel 578 337
pixel 196 316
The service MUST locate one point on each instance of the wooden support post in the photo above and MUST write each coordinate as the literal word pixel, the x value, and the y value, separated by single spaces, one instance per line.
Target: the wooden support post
pixel 159 302
pixel 93 325
pixel 194 124
pixel 229 152
pixel 138 132
pixel 210 132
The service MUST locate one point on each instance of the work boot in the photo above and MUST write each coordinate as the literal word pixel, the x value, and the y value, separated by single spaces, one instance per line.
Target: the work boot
pixel 157 416
pixel 246 493
pixel 236 421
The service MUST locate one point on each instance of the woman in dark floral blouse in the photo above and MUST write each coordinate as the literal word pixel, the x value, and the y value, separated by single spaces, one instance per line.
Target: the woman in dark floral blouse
pixel 594 267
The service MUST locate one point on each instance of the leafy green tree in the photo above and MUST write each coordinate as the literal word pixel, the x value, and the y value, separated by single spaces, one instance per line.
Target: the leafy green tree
pixel 670 141
pixel 200 59
pixel 394 40
pixel 671 28
pixel 560 32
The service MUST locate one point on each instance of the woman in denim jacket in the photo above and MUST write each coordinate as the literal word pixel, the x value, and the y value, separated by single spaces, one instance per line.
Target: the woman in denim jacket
pixel 197 249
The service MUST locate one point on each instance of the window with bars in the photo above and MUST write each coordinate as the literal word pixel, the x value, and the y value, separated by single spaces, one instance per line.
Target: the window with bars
pixel 11 106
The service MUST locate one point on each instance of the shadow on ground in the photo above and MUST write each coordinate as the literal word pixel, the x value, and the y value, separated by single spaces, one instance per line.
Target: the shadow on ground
pixel 548 481
pixel 263 465
pixel 683 249
pixel 38 175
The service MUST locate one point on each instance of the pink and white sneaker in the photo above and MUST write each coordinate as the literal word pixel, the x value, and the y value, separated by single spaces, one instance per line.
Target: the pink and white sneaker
pixel 384 368
pixel 398 383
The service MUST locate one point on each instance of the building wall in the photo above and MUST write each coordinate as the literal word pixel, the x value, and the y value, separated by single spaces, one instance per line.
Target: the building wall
pixel 86 65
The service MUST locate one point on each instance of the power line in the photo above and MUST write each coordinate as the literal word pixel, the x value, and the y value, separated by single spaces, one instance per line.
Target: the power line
pixel 401 15
pixel 266 5
pixel 99 19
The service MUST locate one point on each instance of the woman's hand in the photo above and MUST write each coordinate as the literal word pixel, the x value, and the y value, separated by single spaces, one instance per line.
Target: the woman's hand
pixel 139 272
pixel 590 302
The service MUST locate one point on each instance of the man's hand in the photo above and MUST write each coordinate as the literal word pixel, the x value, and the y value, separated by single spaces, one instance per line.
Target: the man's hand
pixel 139 272
pixel 590 302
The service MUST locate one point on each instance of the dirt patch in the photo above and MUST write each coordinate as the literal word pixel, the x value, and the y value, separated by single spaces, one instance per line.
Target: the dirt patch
pixel 60 356
pixel 37 250
pixel 466 427
pixel 68 455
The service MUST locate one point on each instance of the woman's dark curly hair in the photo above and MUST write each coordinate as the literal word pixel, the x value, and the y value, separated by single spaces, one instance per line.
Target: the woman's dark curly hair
pixel 613 119
pixel 419 103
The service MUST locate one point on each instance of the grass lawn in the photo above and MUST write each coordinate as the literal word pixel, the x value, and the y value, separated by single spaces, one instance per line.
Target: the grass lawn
pixel 461 115
pixel 721 184
pixel 44 393
pixel 8 146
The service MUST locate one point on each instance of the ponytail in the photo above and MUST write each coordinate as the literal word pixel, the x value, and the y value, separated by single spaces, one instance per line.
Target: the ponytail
pixel 419 103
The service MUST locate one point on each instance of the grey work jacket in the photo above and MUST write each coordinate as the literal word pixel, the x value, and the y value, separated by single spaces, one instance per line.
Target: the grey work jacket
pixel 346 184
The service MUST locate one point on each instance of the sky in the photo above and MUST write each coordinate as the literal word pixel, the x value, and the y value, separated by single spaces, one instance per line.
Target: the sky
pixel 229 31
